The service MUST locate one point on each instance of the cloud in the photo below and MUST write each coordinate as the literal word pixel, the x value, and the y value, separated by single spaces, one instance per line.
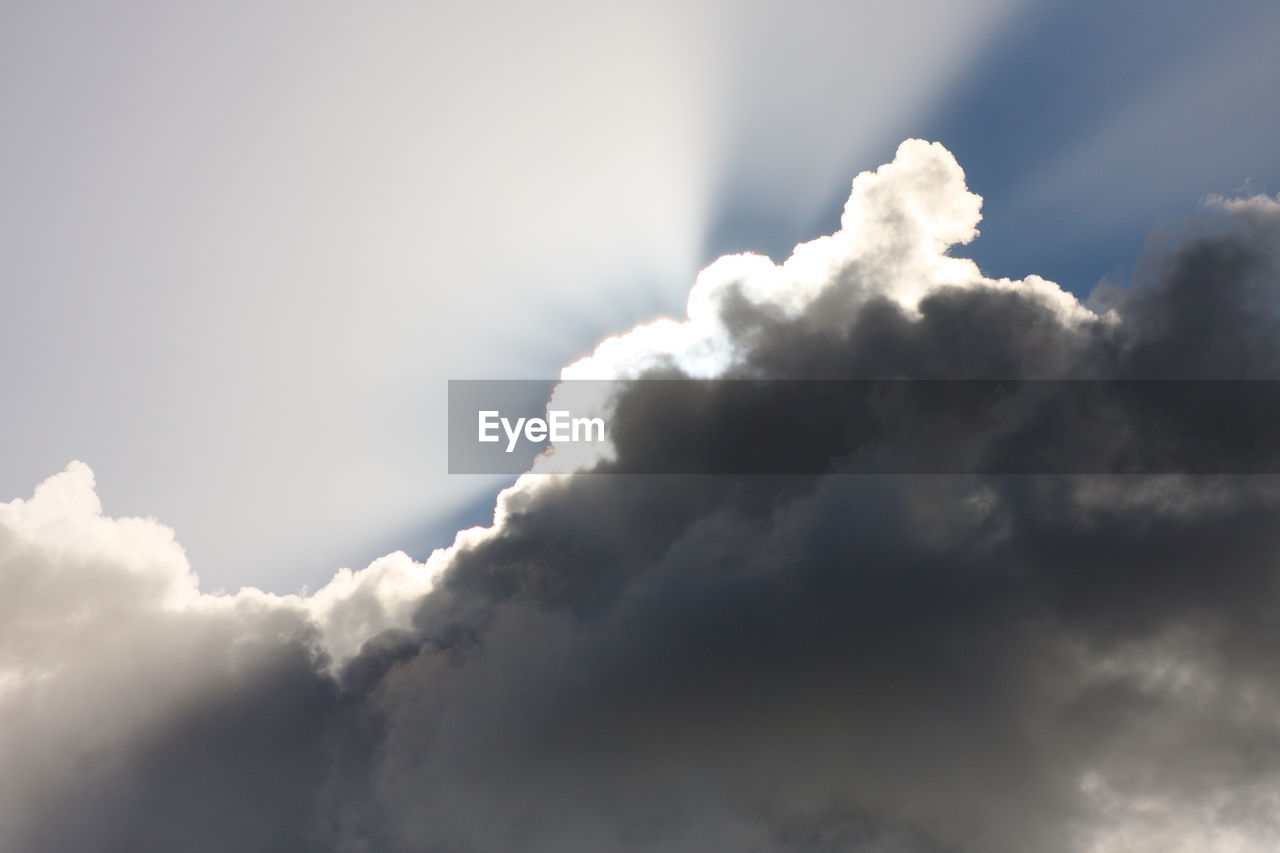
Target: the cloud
pixel 108 652
pixel 960 663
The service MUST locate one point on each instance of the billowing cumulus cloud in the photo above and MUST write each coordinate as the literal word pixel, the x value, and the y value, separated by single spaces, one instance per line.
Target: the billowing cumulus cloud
pixel 821 662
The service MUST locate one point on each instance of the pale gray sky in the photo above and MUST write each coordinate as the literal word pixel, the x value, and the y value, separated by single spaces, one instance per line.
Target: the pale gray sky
pixel 244 245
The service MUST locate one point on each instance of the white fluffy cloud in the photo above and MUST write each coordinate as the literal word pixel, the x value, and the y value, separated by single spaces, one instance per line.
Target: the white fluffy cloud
pixel 896 234
pixel 104 631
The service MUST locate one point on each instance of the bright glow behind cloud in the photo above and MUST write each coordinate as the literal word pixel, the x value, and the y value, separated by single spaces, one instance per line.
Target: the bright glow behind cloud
pixel 291 226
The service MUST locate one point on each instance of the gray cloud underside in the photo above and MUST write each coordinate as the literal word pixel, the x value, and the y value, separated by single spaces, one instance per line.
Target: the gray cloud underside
pixel 821 663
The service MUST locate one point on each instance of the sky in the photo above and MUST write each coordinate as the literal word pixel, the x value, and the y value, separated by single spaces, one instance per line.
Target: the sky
pixel 244 606
pixel 245 248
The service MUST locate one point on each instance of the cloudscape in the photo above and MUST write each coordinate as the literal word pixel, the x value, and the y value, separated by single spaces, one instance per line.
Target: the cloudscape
pixel 817 661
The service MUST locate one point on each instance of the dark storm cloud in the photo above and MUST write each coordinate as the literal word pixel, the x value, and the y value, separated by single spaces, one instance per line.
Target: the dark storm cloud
pixel 817 663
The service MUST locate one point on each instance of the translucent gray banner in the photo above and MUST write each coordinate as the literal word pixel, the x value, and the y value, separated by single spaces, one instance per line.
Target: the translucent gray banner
pixel 734 426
